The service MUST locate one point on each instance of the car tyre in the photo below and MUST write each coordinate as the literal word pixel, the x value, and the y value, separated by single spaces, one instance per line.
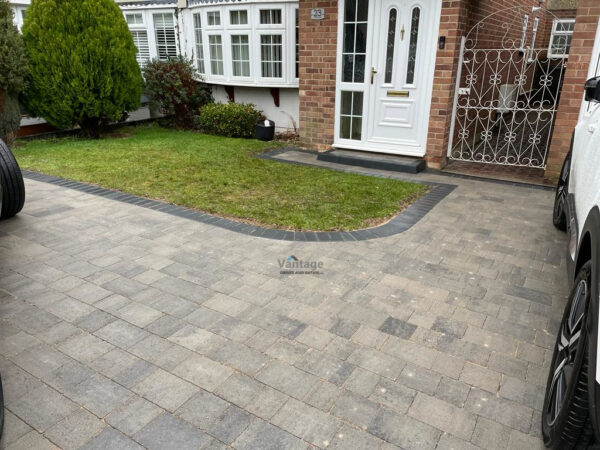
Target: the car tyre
pixel 565 417
pixel 559 214
pixel 13 187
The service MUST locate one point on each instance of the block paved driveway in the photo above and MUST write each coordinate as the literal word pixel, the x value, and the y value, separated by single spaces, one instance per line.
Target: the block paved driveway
pixel 124 328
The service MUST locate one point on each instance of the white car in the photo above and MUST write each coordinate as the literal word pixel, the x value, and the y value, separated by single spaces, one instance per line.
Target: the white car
pixel 571 414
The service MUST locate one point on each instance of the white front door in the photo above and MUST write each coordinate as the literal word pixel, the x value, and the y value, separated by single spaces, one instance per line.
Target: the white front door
pixel 386 62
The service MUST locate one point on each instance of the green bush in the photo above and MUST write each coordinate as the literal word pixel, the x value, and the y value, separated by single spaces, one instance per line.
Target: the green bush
pixel 229 119
pixel 81 61
pixel 173 89
pixel 12 74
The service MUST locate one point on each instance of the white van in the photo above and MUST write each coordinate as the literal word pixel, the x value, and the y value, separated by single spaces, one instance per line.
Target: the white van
pixel 571 414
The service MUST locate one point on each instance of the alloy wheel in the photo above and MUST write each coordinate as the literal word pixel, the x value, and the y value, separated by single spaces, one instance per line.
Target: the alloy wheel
pixel 567 347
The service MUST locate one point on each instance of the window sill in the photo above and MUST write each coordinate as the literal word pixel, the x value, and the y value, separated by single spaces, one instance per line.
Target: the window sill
pixel 251 83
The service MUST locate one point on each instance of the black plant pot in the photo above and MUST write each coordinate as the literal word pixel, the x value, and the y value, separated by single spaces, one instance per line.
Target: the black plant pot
pixel 265 132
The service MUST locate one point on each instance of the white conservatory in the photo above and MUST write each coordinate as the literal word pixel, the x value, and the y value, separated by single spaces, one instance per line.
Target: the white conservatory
pixel 247 50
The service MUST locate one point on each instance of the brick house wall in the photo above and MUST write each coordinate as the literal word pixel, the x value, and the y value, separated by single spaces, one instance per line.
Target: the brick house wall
pixel 453 26
pixel 318 51
pixel 582 45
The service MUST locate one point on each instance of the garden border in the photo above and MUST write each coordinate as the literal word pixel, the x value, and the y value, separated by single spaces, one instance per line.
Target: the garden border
pixel 400 223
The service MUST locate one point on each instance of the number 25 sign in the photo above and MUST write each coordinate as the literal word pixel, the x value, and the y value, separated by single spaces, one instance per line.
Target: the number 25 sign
pixel 317 13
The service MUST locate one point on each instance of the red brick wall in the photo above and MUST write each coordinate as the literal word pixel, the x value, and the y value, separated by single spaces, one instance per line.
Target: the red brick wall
pixel 318 48
pixel 575 78
pixel 453 25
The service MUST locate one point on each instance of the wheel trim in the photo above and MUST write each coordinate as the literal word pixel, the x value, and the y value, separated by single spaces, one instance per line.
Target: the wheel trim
pixel 567 346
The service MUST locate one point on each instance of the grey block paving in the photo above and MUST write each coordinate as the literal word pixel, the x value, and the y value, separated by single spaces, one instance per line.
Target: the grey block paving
pixel 126 327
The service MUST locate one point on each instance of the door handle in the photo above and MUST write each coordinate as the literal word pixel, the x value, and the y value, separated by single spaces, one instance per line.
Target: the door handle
pixel 593 127
pixel 373 72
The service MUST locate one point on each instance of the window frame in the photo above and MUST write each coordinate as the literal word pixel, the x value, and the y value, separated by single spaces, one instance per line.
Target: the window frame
pixel 250 56
pixel 238 25
pixel 175 32
pixel 148 26
pixel 223 56
pixel 253 30
pixel 202 45
pixel 554 32
pixel 207 25
pixel 135 13
pixel 271 8
pixel 259 57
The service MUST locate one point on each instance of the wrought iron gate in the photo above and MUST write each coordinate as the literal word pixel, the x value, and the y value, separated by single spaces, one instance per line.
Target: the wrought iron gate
pixel 508 90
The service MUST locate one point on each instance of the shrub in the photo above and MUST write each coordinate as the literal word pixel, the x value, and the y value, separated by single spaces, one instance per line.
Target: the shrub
pixel 174 91
pixel 12 74
pixel 229 119
pixel 82 66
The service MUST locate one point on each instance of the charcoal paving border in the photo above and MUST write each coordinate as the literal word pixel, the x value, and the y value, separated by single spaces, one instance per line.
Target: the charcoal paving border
pixel 402 222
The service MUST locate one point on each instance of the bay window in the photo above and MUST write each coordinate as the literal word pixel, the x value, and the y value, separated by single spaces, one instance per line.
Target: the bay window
pixel 247 44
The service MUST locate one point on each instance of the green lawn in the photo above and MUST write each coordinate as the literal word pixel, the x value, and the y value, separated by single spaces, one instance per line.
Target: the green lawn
pixel 220 176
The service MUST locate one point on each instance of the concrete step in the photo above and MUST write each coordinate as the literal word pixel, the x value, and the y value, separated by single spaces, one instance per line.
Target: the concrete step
pixel 374 160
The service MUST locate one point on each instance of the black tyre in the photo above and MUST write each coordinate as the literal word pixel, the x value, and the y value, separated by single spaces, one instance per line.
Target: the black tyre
pixel 565 417
pixel 13 188
pixel 559 215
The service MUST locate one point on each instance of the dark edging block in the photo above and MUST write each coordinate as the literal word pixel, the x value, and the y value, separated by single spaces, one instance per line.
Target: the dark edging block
pixel 402 222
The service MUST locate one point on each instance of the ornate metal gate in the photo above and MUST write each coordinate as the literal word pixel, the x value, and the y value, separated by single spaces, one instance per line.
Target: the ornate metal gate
pixel 508 89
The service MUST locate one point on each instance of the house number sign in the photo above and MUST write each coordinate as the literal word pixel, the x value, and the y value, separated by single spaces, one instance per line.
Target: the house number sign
pixel 317 14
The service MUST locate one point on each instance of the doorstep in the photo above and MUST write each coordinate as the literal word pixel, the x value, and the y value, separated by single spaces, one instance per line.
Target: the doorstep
pixel 371 160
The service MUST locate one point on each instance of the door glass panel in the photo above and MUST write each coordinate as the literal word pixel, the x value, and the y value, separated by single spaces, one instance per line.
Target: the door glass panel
pixel 412 49
pixel 354 47
pixel 389 57
pixel 351 115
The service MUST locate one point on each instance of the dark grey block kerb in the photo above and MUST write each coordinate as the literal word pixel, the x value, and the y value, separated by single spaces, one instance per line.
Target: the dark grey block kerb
pixel 399 224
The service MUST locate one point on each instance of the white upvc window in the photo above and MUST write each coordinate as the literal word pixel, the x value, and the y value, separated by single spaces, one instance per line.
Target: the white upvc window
pixel 240 55
pixel 215 45
pixel 135 19
pixel 154 33
pixel 297 42
pixel 238 17
pixel 560 40
pixel 140 39
pixel 165 35
pixel 245 44
pixel 213 18
pixel 271 55
pixel 199 43
pixel 270 16
pixel 139 33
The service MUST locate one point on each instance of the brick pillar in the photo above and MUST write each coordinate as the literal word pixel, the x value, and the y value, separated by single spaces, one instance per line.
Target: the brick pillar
pixel 576 74
pixel 453 25
pixel 318 48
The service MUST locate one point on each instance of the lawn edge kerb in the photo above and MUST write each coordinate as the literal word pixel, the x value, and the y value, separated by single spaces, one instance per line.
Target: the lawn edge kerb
pixel 398 224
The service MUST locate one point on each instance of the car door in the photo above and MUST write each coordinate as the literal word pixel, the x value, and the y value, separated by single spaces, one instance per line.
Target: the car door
pixel 585 164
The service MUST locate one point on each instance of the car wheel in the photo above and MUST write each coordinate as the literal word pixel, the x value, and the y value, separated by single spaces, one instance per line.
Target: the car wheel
pixel 13 188
pixel 559 215
pixel 565 417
